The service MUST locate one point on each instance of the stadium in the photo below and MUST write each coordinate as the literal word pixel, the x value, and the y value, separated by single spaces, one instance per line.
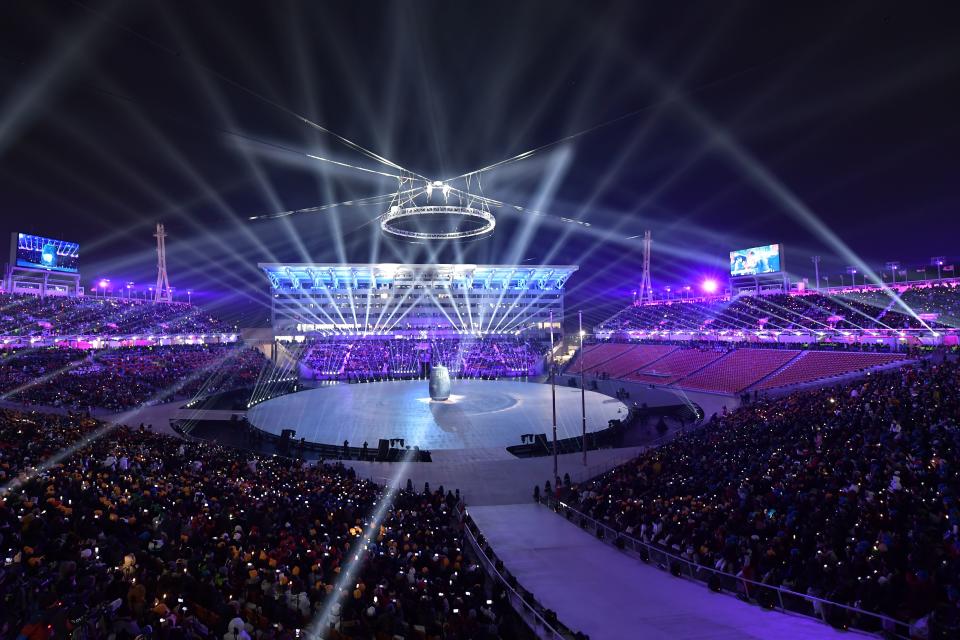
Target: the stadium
pixel 433 326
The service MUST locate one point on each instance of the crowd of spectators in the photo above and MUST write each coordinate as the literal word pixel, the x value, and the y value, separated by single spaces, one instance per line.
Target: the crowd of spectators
pixel 118 379
pixel 848 493
pixel 31 315
pixel 391 358
pixel 142 533
pixel 943 300
pixel 871 309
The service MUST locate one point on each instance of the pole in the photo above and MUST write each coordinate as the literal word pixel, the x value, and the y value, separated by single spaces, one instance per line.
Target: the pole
pixel 816 270
pixel 583 393
pixel 893 266
pixel 553 396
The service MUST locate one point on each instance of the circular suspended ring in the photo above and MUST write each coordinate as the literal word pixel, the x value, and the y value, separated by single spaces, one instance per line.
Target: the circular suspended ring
pixel 388 223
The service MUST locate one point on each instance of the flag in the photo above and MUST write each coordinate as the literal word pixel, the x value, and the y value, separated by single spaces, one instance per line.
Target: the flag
pixel 948 267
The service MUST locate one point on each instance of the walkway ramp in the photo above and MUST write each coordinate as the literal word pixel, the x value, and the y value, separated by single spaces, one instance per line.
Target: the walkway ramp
pixel 608 595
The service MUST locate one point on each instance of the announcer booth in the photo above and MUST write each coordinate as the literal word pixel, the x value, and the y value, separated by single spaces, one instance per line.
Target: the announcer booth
pixel 759 270
pixel 42 266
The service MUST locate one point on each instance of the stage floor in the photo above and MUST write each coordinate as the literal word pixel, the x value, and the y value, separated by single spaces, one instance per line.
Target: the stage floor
pixel 479 413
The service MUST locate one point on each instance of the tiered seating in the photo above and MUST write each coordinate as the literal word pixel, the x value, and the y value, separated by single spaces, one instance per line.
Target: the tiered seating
pixel 738 370
pixel 816 365
pixel 672 316
pixel 631 360
pixel 674 366
pixel 849 493
pixel 377 358
pixel 326 358
pixel 596 355
pixel 29 315
pixel 872 309
pixel 118 379
pixel 126 517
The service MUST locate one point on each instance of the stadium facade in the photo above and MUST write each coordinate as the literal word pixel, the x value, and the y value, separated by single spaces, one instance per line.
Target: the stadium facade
pixel 414 299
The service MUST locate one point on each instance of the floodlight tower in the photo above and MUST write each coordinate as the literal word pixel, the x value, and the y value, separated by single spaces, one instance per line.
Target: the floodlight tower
pixel 852 271
pixel 816 270
pixel 893 266
pixel 938 261
pixel 163 291
pixel 646 289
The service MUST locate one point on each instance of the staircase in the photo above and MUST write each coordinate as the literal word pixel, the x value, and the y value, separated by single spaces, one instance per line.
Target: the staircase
pixel 776 371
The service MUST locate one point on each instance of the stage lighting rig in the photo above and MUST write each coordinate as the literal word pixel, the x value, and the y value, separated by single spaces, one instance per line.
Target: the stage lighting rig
pixel 414 215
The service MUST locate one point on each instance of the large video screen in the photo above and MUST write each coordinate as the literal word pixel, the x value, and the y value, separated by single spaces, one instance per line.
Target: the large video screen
pixel 46 253
pixel 755 260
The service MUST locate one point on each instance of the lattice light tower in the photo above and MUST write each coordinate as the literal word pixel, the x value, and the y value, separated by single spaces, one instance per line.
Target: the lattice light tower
pixel 163 292
pixel 646 289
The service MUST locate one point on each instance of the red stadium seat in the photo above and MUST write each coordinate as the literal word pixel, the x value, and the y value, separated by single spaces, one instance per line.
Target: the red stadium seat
pixel 738 370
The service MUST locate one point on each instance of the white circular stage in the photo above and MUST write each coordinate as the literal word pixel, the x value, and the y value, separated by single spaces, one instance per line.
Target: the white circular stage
pixel 478 414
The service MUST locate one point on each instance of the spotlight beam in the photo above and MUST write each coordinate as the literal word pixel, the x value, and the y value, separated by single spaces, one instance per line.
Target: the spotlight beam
pixel 778 192
pixel 26 477
pixel 20 108
pixel 243 88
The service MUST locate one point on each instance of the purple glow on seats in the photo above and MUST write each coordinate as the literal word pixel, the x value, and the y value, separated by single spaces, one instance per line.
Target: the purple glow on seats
pixel 344 358
pixel 818 365
pixel 852 310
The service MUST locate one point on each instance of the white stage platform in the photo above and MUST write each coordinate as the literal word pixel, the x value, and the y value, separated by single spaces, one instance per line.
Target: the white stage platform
pixel 480 414
pixel 610 596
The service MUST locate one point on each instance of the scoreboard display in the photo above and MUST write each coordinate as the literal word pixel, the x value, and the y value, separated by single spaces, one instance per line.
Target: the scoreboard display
pixel 756 260
pixel 37 252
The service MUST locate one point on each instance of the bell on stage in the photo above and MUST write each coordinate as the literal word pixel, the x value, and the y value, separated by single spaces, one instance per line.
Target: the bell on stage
pixel 439 383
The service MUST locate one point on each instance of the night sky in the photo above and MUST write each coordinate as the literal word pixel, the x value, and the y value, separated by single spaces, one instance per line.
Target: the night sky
pixel 831 127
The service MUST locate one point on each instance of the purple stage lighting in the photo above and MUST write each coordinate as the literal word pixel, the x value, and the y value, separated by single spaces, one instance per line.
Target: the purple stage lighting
pixel 710 285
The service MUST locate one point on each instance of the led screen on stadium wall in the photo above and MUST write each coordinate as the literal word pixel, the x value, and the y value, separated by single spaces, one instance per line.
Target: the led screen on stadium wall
pixel 755 260
pixel 37 252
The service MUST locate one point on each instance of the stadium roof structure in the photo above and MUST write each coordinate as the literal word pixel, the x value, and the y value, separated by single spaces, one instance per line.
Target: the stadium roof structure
pixel 313 276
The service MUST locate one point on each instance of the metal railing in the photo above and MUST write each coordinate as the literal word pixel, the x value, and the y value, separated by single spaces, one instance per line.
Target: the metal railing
pixel 537 623
pixel 600 468
pixel 768 596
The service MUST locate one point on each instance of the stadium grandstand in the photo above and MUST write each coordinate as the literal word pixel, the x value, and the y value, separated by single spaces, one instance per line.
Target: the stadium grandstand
pixel 94 321
pixel 436 300
pixel 919 313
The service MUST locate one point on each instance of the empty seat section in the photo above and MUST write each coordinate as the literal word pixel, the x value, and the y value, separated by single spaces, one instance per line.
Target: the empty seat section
pixel 630 361
pixel 738 370
pixel 596 354
pixel 674 366
pixel 815 365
